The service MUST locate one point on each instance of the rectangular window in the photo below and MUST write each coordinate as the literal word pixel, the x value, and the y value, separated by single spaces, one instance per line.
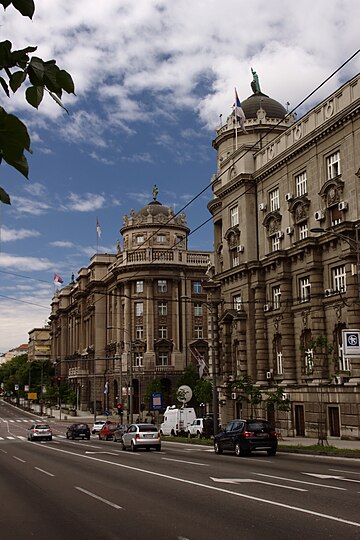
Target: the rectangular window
pixel 234 216
pixel 336 216
pixel 301 184
pixel 162 285
pixel 198 310
pixel 303 231
pixel 139 309
pixel 279 363
pixel 276 295
pixel 339 278
pixel 237 304
pixel 162 308
pixel 162 359
pixel 139 286
pixel 138 360
pixel 139 332
pixel 309 361
pixel 235 259
pixel 333 165
pixel 275 243
pixel 274 200
pixel 161 239
pixel 139 239
pixel 305 289
pixel 163 332
pixel 197 287
pixel 344 363
pixel 198 332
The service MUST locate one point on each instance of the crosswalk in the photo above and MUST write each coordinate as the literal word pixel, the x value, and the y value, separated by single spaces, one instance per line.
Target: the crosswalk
pixel 22 438
pixel 28 420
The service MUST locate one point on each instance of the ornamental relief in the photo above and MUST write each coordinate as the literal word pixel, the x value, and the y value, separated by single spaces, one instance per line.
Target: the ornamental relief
pixel 331 191
pixel 272 223
pixel 300 209
pixel 232 236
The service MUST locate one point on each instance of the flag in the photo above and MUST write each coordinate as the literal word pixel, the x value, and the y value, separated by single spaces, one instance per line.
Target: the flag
pixel 58 281
pixel 98 228
pixel 239 113
pixel 106 388
pixel 201 363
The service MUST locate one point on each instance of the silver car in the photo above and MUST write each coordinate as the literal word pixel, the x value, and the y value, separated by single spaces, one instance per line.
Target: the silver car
pixel 39 431
pixel 141 436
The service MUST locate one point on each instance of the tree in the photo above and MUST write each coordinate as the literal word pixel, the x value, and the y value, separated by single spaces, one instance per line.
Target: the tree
pixel 248 392
pixel 17 68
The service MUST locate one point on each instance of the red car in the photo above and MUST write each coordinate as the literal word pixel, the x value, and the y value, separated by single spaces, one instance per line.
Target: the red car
pixel 106 433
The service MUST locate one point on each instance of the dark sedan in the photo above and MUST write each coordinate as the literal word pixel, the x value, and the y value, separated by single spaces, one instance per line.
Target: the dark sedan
pixel 244 436
pixel 78 431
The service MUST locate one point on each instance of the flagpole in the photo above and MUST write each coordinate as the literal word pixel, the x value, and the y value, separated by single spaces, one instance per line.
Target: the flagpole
pixel 235 117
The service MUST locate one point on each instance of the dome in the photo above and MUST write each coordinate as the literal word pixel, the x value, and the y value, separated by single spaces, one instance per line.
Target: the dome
pixel 252 104
pixel 154 208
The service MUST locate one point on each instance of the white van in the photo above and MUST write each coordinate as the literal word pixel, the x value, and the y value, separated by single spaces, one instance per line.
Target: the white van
pixel 176 421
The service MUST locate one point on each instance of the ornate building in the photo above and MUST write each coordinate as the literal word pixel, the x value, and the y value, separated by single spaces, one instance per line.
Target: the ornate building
pixel 287 291
pixel 135 316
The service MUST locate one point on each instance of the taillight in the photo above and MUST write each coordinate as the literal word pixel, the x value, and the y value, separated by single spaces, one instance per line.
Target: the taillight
pixel 274 434
pixel 248 433
pixel 159 435
pixel 137 436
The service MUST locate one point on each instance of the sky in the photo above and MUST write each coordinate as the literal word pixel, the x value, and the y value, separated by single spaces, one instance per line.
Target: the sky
pixel 152 78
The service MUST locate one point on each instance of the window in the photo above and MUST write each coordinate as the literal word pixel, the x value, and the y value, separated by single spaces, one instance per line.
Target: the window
pixel 235 259
pixel 303 231
pixel 279 363
pixel 309 361
pixel 305 289
pixel 139 286
pixel 274 200
pixel 163 332
pixel 162 359
pixel 139 309
pixel 237 305
pixel 138 360
pixel 198 310
pixel 276 295
pixel 301 184
pixel 161 238
pixel 339 278
pixel 275 243
pixel 344 363
pixel 139 332
pixel 162 308
pixel 139 239
pixel 198 332
pixel 234 216
pixel 333 165
pixel 336 215
pixel 197 287
pixel 162 285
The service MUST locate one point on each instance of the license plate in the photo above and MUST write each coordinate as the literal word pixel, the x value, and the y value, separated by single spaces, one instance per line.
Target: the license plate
pixel 149 436
pixel 263 435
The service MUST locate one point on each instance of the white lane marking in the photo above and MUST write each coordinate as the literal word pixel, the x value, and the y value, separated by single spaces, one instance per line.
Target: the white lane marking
pixel 103 452
pixel 252 480
pixel 19 420
pixel 212 488
pixel 300 481
pixel 348 472
pixel 2 439
pixel 45 472
pixel 19 459
pixel 116 506
pixel 11 420
pixel 3 451
pixel 328 476
pixel 21 437
pixel 183 461
pixel 11 438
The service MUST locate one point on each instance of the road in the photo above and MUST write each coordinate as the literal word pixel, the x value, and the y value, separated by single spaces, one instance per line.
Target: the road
pixel 92 489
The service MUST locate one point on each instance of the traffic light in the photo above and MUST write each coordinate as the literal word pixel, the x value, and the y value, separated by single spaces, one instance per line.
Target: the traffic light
pixel 52 380
pixel 58 381
pixel 120 410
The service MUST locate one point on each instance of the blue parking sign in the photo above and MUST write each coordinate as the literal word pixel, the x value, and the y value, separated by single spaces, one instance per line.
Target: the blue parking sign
pixel 351 342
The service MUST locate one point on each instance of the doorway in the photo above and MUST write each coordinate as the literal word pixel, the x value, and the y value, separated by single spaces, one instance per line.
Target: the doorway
pixel 334 421
pixel 299 421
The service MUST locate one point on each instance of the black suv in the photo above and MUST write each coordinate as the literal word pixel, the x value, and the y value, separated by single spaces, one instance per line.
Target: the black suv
pixel 78 431
pixel 243 436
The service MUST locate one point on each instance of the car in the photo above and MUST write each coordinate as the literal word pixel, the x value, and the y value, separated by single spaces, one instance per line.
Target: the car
pixel 39 431
pixel 244 436
pixel 201 427
pixel 106 433
pixel 78 431
pixel 96 427
pixel 119 432
pixel 141 436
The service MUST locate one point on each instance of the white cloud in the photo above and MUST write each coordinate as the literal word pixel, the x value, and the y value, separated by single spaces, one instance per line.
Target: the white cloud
pixel 11 235
pixel 86 202
pixel 62 244
pixel 30 264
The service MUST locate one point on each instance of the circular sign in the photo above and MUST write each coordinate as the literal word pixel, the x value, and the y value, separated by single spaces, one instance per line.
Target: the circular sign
pixel 184 393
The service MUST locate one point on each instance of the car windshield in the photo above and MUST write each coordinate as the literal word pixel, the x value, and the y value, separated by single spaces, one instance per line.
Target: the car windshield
pixel 145 428
pixel 81 426
pixel 42 426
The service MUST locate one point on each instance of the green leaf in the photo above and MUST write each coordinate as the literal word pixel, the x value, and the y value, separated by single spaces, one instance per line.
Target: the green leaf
pixel 5 86
pixel 65 80
pixel 20 57
pixel 5 50
pixel 51 79
pixel 36 71
pixel 5 3
pixel 17 79
pixel 34 95
pixel 26 7
pixel 4 197
pixel 14 139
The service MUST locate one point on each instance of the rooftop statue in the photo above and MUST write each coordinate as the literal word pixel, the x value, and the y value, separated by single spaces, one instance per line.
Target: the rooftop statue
pixel 255 85
pixel 155 192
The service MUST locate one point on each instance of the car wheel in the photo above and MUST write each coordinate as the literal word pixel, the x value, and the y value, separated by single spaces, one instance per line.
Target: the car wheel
pixel 188 435
pixel 172 433
pixel 198 435
pixel 158 448
pixel 271 452
pixel 88 438
pixel 50 439
pixel 240 451
pixel 73 437
pixel 114 438
pixel 133 447
pixel 123 446
pixel 148 448
pixel 217 448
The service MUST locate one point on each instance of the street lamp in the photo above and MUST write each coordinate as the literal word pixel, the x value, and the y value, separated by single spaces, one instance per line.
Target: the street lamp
pixel 354 244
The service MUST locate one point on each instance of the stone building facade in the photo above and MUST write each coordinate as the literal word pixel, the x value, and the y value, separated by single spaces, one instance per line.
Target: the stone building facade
pixel 134 316
pixel 288 292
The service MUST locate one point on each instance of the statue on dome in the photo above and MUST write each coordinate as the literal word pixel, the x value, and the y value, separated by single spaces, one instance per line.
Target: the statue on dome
pixel 255 85
pixel 155 192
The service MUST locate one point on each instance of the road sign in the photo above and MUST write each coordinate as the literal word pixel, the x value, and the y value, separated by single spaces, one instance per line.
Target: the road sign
pixel 156 402
pixel 351 342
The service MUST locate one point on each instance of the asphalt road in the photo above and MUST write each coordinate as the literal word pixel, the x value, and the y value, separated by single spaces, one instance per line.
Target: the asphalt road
pixel 93 490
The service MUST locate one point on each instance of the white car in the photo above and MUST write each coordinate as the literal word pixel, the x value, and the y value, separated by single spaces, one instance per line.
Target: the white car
pixel 200 427
pixel 97 426
pixel 141 436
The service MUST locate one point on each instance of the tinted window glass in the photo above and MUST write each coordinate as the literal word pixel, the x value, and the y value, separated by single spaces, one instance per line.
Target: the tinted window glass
pixel 258 426
pixel 147 428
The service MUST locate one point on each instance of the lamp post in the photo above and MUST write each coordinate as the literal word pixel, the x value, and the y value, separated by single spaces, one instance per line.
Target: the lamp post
pixel 354 244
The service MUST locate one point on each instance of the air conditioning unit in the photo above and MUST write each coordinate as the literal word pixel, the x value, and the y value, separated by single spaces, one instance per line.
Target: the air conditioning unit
pixel 268 374
pixel 319 215
pixel 267 307
pixel 285 396
pixel 338 379
pixel 240 249
pixel 233 395
pixel 289 230
pixel 328 292
pixel 262 207
pixel 231 378
pixel 343 205
pixel 289 197
pixel 279 235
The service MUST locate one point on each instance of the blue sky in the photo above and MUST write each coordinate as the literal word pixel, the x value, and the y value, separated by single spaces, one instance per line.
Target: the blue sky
pixel 151 79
